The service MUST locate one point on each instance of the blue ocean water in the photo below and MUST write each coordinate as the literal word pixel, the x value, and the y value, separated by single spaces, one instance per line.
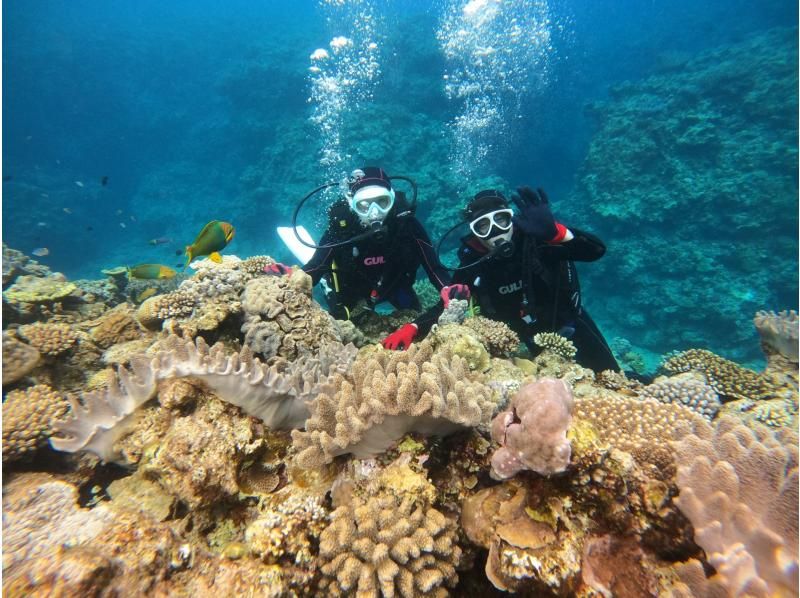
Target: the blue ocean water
pixel 129 122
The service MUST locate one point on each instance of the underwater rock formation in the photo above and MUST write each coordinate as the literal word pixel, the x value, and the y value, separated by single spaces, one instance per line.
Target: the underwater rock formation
pixel 779 332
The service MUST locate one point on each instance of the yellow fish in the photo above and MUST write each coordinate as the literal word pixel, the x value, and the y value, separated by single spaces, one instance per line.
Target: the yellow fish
pixel 211 240
pixel 145 294
pixel 150 271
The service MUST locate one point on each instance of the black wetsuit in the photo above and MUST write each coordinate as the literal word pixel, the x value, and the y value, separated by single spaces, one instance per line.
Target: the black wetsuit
pixel 377 268
pixel 537 290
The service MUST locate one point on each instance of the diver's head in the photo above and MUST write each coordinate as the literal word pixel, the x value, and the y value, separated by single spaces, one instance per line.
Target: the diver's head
pixel 489 217
pixel 370 196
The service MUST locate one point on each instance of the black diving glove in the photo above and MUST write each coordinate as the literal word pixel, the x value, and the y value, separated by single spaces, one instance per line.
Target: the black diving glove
pixel 535 218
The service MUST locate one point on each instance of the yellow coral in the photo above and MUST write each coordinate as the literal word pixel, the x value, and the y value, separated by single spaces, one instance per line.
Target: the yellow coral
pixel 49 339
pixel 725 377
pixel 556 343
pixel 37 289
pixel 27 418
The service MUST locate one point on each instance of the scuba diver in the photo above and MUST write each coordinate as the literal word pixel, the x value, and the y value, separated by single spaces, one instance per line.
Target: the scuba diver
pixel 520 269
pixel 371 251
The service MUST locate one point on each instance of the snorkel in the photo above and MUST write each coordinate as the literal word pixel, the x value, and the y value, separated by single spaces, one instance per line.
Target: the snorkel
pixel 375 227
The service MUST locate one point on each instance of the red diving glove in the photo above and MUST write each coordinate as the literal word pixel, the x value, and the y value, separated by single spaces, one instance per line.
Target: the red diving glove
pixel 454 291
pixel 277 269
pixel 401 338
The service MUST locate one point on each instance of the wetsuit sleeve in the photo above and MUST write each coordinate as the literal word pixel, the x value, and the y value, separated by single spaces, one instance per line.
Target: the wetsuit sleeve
pixel 320 262
pixel 584 247
pixel 437 273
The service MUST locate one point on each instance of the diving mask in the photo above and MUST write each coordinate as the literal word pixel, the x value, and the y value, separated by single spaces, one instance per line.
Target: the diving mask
pixel 372 203
pixel 499 220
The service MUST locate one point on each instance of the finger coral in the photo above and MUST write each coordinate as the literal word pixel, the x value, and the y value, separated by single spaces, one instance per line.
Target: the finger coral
pixel 739 488
pixel 779 332
pixel 727 378
pixel 389 542
pixel 532 433
pixel 49 339
pixel 28 417
pixel 387 394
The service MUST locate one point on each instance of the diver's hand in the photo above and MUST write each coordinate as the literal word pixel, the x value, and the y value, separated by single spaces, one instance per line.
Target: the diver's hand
pixel 454 291
pixel 277 269
pixel 401 338
pixel 535 218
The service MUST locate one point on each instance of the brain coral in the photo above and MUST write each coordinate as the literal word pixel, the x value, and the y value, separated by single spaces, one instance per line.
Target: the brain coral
pixel 282 319
pixel 28 416
pixel 739 488
pixel 386 394
pixel 389 541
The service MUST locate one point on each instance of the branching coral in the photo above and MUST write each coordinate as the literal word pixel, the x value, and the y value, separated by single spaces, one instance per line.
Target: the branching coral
pixel 28 417
pixel 496 336
pixel 18 359
pixel 49 339
pixel 177 304
pixel 727 378
pixel 685 390
pixel 387 394
pixel 779 332
pixel 533 432
pixel 739 488
pixel 389 541
pixel 556 343
pixel 278 394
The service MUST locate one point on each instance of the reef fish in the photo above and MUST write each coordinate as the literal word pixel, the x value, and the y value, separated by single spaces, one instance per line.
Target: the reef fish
pixel 150 271
pixel 211 240
pixel 149 292
pixel 41 251
pixel 160 241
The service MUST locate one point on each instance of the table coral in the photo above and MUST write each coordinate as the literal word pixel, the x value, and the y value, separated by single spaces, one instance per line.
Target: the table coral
pixel 532 433
pixel 18 359
pixel 28 418
pixel 387 394
pixel 36 289
pixel 49 339
pixel 739 488
pixel 386 539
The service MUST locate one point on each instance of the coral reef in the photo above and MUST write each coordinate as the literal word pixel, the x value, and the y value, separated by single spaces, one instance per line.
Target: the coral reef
pixel 38 289
pixel 496 336
pixel 739 488
pixel 552 341
pixel 685 390
pixel 388 540
pixel 18 359
pixel 49 339
pixel 532 433
pixel 280 319
pixel 778 332
pixel 387 394
pixel 727 378
pixel 28 418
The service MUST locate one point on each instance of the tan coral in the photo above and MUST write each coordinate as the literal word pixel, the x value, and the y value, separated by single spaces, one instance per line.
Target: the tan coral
pixel 387 394
pixel 684 389
pixel 725 377
pixel 176 304
pixel 49 339
pixel 779 332
pixel 386 541
pixel 496 336
pixel 550 341
pixel 28 416
pixel 739 488
pixel 115 326
pixel 18 359
pixel 37 289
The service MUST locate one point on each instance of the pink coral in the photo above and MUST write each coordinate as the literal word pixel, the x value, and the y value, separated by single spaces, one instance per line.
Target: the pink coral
pixel 533 432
